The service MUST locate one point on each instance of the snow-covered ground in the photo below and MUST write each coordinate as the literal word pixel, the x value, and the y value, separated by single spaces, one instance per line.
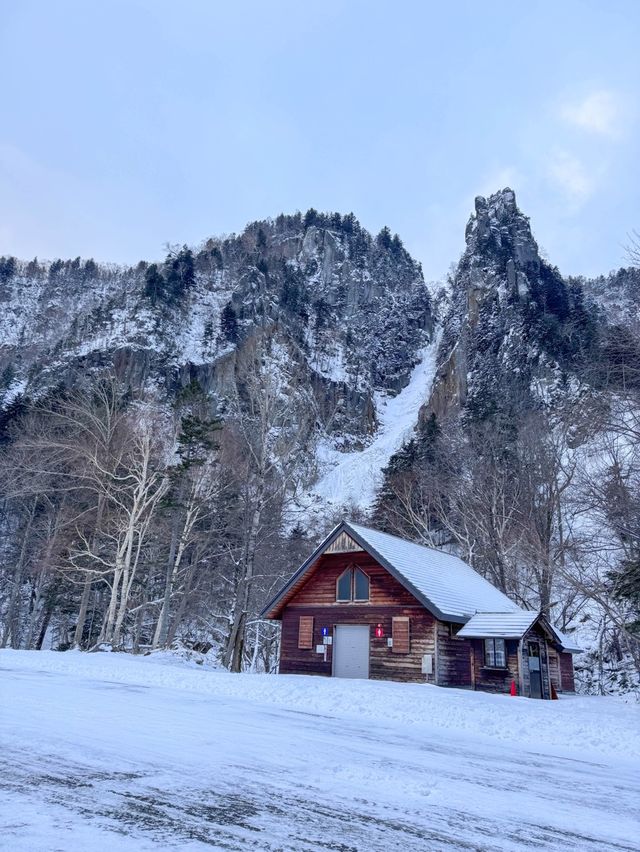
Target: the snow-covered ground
pixel 353 478
pixel 107 751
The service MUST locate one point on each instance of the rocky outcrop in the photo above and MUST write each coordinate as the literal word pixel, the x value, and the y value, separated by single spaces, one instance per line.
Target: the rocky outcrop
pixel 499 291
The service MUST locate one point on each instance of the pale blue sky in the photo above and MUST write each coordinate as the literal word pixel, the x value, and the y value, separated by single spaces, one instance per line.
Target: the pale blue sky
pixel 129 124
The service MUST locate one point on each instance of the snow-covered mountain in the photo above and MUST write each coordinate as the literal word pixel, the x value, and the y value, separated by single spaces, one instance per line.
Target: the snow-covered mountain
pixel 350 311
pixel 473 415
pixel 350 314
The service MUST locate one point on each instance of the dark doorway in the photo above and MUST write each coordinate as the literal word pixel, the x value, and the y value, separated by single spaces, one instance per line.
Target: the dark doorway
pixel 535 671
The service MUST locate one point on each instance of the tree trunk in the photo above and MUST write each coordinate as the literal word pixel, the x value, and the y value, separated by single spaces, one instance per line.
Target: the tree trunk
pixel 182 606
pixel 50 605
pixel 82 612
pixel 86 589
pixel 12 626
pixel 162 627
pixel 106 634
pixel 235 645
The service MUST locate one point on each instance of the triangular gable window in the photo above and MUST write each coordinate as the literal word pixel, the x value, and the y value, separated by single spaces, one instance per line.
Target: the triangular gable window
pixel 352 585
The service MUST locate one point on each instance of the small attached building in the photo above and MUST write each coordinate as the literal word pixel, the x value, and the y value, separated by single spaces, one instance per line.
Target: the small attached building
pixel 370 605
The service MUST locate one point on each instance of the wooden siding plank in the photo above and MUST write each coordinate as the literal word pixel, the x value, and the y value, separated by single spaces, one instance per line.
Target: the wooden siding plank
pixel 489 679
pixel 567 679
pixel 320 587
pixel 453 658
pixel 317 586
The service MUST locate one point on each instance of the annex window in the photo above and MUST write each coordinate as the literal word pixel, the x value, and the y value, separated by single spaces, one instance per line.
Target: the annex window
pixel 494 653
pixel 352 585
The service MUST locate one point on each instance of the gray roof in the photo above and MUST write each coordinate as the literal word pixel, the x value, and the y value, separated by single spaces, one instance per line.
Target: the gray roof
pixel 451 586
pixel 511 625
pixel 503 625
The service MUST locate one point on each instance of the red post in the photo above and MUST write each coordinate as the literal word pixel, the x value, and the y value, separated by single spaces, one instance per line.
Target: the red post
pixel 513 690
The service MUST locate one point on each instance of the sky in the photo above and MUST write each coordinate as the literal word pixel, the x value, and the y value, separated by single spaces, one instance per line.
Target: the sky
pixel 129 125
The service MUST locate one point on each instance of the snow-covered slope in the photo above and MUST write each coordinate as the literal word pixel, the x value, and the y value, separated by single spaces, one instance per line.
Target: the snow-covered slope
pixel 351 479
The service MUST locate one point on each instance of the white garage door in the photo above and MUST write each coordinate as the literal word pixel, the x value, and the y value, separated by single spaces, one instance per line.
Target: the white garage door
pixel 351 651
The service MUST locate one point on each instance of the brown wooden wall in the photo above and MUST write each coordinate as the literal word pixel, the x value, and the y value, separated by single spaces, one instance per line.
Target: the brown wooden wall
pixel 383 663
pixel 492 679
pixel 554 669
pixel 320 588
pixel 453 659
pixel 567 679
pixel 387 599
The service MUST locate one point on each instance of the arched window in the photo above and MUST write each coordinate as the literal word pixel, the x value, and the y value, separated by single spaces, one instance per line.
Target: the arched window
pixel 352 585
pixel 360 586
pixel 343 591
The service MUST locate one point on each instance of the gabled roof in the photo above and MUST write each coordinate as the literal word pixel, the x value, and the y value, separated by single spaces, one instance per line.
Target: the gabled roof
pixel 513 625
pixel 444 584
pixel 503 625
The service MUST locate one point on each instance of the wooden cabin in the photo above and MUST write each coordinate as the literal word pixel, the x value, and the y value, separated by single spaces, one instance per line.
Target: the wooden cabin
pixel 370 605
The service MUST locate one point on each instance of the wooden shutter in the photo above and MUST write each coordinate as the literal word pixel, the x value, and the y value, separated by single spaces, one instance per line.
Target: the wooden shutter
pixel 305 632
pixel 400 635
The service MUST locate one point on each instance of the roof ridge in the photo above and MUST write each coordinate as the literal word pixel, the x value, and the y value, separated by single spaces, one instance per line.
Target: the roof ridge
pixel 503 611
pixel 405 540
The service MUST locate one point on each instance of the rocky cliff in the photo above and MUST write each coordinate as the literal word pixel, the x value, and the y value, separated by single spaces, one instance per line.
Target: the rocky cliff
pixel 350 311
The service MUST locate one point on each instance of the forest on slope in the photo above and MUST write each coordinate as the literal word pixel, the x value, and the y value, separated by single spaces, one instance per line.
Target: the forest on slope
pixel 163 428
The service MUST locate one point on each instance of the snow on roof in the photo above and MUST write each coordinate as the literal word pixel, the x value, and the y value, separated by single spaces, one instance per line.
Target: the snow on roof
pixel 568 644
pixel 511 625
pixel 503 625
pixel 450 585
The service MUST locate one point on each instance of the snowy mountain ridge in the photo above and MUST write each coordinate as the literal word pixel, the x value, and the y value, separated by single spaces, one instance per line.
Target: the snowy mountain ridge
pixel 312 371
pixel 352 314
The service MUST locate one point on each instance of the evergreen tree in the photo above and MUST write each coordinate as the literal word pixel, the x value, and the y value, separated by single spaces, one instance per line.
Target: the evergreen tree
pixel 626 587
pixel 349 223
pixel 154 284
pixel 197 438
pixel 55 268
pixel 310 218
pixel 7 376
pixel 8 268
pixel 33 268
pixel 10 416
pixel 179 274
pixel 383 240
pixel 229 324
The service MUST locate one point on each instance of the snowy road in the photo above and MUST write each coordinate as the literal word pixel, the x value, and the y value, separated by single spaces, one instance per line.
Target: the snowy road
pixel 91 763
